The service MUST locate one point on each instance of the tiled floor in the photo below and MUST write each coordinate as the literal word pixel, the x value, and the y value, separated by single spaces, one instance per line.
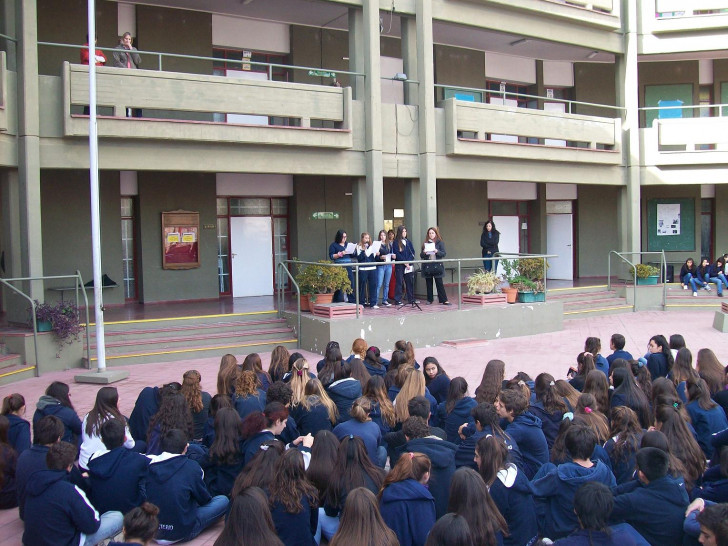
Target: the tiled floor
pixel 553 352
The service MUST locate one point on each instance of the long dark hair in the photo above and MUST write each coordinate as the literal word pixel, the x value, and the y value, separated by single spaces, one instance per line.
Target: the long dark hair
pixel 710 369
pixel 105 407
pixel 59 391
pixel 278 363
pixel 361 523
pixel 493 453
pixel 290 484
pixel 683 369
pixel 352 469
pixel 250 521
pixel 544 386
pixel 332 362
pixel 398 237
pixel 227 374
pixel 697 390
pixel 492 225
pixel 491 382
pixel 173 413
pixel 682 442
pixel 192 390
pixel 12 403
pixel 469 498
pixel 339 236
pixel 440 371
pixel 597 385
pixel 662 343
pixel 625 427
pixel 457 391
pixel 324 453
pixel 258 472
pixel 225 449
pixel 624 385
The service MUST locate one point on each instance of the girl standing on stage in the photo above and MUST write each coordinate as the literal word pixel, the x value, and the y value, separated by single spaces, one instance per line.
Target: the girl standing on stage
pixel 404 253
pixel 338 255
pixel 431 271
pixel 384 270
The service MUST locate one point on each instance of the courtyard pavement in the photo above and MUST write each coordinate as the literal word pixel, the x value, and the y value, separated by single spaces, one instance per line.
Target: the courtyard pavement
pixel 553 352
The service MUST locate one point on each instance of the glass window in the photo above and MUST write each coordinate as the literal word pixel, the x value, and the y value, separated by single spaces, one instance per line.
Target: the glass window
pixel 249 206
pixel 558 207
pixel 280 207
pixel 127 247
pixel 222 206
pixel 223 258
pixel 280 246
pixel 504 208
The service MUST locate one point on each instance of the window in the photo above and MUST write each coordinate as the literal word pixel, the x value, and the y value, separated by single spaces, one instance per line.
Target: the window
pixel 127 248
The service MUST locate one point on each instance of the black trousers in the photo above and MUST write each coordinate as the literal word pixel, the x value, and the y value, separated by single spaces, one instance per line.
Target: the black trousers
pixel 441 294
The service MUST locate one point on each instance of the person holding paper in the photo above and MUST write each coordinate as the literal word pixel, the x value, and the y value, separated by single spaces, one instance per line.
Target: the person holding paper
pixel 384 269
pixel 367 253
pixel 434 249
pixel 339 255
pixel 489 242
pixel 404 252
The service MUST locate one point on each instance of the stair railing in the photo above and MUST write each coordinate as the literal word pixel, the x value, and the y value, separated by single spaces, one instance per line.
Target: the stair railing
pixel 78 280
pixel 663 273
pixel 283 268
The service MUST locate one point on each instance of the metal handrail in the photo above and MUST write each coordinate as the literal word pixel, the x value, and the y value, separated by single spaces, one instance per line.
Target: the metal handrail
pixel 663 270
pixel 78 284
pixel 281 298
pixel 505 94
pixel 160 55
pixel 6 37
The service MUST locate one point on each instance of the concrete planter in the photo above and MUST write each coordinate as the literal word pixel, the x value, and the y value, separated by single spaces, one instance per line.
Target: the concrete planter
pixel 531 297
pixel 648 280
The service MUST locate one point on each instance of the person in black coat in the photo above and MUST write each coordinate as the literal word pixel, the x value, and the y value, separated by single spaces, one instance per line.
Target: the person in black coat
pixel 404 253
pixel 489 240
pixel 146 405
pixel 434 270
pixel 659 360
pixel 436 380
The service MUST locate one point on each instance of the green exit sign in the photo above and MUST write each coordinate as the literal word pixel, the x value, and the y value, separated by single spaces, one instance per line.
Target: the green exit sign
pixel 325 216
pixel 322 73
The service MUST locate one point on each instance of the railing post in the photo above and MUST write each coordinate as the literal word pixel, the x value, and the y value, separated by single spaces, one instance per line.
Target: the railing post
pixel 270 72
pixel 609 271
pixel 356 281
pixel 460 288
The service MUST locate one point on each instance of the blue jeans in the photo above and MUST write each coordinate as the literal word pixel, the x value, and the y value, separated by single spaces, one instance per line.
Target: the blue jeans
pixel 367 279
pixel 208 514
pixel 719 281
pixel 692 281
pixel 110 526
pixel 384 275
pixel 327 525
pixel 490 265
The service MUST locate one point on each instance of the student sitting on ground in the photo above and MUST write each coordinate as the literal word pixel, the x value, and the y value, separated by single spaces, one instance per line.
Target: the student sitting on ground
pixel 8 462
pixel 707 417
pixel 140 526
pixel 19 433
pixel 707 522
pixel 616 344
pixel 487 423
pixel 117 476
pixel 176 486
pixel 57 512
pixel 655 503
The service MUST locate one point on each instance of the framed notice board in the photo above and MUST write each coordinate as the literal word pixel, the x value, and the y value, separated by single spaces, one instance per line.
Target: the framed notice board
pixel 180 239
pixel 671 224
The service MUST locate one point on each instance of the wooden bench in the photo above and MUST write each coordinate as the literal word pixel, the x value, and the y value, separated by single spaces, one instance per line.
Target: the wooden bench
pixel 335 310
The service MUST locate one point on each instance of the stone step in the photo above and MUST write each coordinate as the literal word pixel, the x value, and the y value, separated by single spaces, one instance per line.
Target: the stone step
pixel 196 320
pixel 172 329
pixel 15 373
pixel 9 361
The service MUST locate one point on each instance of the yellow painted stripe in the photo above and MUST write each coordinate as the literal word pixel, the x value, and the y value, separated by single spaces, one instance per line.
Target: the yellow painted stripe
pixel 693 305
pixel 570 288
pixel 17 371
pixel 221 315
pixel 579 311
pixel 198 349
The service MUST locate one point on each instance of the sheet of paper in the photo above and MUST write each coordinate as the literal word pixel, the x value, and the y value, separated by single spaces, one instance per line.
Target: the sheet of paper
pixel 374 248
pixel 430 248
pixel 408 269
pixel 350 248
pixel 387 257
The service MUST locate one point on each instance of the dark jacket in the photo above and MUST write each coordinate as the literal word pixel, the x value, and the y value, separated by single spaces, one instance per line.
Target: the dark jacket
pixel 624 468
pixel 406 255
pixel 656 510
pixel 335 248
pixel 582 537
pixel 555 486
pixel 408 508
pixel 19 433
pixel 466 450
pixel 176 486
pixel 199 417
pixel 550 422
pixel 451 421
pixel 124 56
pixel 376 416
pixel 714 270
pixel 602 364
pixel 368 432
pixel 706 423
pixel 373 369
pixel 442 458
pixel 512 495
pixel 57 512
pixel 8 488
pixel 220 477
pixel 47 405
pixel 619 354
pixel 430 270
pixel 117 480
pixel 489 242
pixel 311 420
pixel 146 405
pixel 526 431
pixel 438 387
pixel 657 364
pixel 295 529
pixel 251 446
pixel 245 405
pixel 343 392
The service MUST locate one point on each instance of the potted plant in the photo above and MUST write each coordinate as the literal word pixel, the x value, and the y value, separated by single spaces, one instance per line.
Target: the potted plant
pixel 646 274
pixel 529 291
pixel 318 283
pixel 481 288
pixel 510 272
pixel 63 318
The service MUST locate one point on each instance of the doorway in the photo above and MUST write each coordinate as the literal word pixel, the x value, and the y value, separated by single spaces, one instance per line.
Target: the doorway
pixel 251 253
pixel 560 242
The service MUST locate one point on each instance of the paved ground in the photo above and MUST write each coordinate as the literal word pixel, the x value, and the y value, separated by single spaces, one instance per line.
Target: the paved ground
pixel 553 352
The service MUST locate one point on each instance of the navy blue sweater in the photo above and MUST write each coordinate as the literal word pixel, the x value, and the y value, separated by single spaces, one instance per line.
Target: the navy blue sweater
pixel 438 387
pixel 146 405
pixel 442 459
pixel 295 529
pixel 512 495
pixel 343 393
pixel 311 420
pixel 526 431
pixel 657 364
pixel 555 486
pixel 465 455
pixel 220 477
pixel 408 508
pixel 245 405
pixel 368 431
pixel 118 480
pixel 459 415
pixel 619 354
pixel 706 423
pixel 583 537
pixel 251 446
pixel 176 486
pixel 57 512
pixel 550 422
pixel 19 433
pixel 624 467
pixel 47 405
pixel 376 370
pixel 656 510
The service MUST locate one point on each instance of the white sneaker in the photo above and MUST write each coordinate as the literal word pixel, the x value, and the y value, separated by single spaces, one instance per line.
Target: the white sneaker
pixel 685 286
pixel 375 307
pixel 385 303
pixel 695 294
pixel 707 287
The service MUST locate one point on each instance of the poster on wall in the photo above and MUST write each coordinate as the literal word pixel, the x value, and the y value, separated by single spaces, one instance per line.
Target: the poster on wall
pixel 668 219
pixel 180 236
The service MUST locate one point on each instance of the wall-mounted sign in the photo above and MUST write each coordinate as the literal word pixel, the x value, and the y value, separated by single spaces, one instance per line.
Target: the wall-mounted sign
pixel 325 216
pixel 322 73
pixel 180 230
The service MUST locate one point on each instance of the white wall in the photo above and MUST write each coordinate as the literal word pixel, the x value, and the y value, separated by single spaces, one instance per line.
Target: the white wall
pixel 509 68
pixel 252 185
pixel 512 191
pixel 558 74
pixel 250 34
pixel 560 192
pixel 392 91
pixel 126 14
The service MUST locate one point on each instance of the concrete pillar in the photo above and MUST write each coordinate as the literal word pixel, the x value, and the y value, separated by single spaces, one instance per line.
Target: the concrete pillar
pixel 10 198
pixel 356 51
pixel 409 58
pixel 629 209
pixel 7 26
pixel 359 208
pixel 412 216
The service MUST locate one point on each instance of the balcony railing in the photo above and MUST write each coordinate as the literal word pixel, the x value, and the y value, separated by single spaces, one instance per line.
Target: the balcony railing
pixel 3 93
pixel 681 18
pixel 202 100
pixel 689 8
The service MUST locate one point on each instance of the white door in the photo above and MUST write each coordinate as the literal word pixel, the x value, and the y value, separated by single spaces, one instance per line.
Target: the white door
pixel 509 228
pixel 251 248
pixel 559 240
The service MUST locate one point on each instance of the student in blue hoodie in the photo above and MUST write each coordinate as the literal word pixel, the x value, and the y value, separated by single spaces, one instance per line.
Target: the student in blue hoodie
pixel 714 486
pixel 117 476
pixel 436 380
pixel 419 406
pixel 549 406
pixel 175 484
pixel 248 397
pixel 442 459
pixel 224 461
pixel 406 505
pixel 56 401
pixel 8 462
pixel 146 405
pixel 374 363
pixel 344 390
pixel 57 512
pixel 362 426
pixel 716 275
pixel 509 489
pixel 554 486
pixel 707 417
pixel 261 427
pixel 616 344
pixel 486 421
pixel 455 411
pixel 283 393
pixel 593 345
pixel 659 357
pixel 19 433
pixel 524 428
pixel 655 503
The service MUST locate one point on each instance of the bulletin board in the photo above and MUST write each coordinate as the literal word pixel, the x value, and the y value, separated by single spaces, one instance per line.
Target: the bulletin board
pixel 671 224
pixel 180 239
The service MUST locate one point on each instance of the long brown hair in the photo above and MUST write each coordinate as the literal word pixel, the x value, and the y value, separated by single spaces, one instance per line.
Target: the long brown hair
pixel 375 390
pixel 683 368
pixel 278 363
pixel 491 382
pixel 697 390
pixel 250 521
pixel 192 390
pixel 290 484
pixel 258 472
pixel 361 523
pixel 408 349
pixel 105 408
pixel 586 408
pixel 410 466
pixel 597 385
pixel 314 388
pixel 414 385
pixel 252 362
pixel 225 450
pixel 227 374
pixel 545 389
pixel 352 469
pixel 493 453
pixel 469 498
pixel 246 383
pixel 711 370
pixel 565 390
pixel 681 440
pixel 625 427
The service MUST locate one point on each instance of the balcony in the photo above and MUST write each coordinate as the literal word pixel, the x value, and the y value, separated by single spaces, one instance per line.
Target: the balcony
pixel 671 26
pixel 203 108
pixel 3 93
pixel 686 142
pixel 488 130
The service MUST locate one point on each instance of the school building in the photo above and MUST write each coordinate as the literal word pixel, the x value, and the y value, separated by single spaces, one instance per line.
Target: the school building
pixel 264 126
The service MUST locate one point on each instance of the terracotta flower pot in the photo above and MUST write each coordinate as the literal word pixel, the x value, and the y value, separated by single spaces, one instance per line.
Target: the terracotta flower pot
pixel 511 294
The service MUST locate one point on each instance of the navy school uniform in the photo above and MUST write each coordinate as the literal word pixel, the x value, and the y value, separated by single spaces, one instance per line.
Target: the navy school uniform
pixel 199 418
pixel 146 405
pixel 554 488
pixel 18 433
pixel 716 491
pixel 526 431
pixel 368 431
pixel 408 508
pixel 311 420
pixel 208 434
pixel 460 414
pixel 117 479
pixel 706 423
pixel 47 405
pixel 376 416
pixel 623 468
pixel 251 446
pixel 619 354
pixel 655 510
pixel 245 405
pixel 512 495
pixel 550 422
pixel 8 489
pixel 57 511
pixel 396 441
pixel 289 433
pixel 344 392
pixel 582 537
pixel 442 459
pixel 376 370
pixel 599 454
pixel 393 391
pixel 439 387
pixel 465 455
pixel 220 477
pixel 657 364
pixel 295 529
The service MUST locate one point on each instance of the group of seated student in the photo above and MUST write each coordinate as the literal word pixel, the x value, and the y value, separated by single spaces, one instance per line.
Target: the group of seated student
pixel 701 276
pixel 622 456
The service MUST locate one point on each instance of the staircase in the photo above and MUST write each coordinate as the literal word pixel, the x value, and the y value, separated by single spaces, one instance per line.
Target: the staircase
pixel 12 367
pixel 679 299
pixel 184 338
pixel 588 301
